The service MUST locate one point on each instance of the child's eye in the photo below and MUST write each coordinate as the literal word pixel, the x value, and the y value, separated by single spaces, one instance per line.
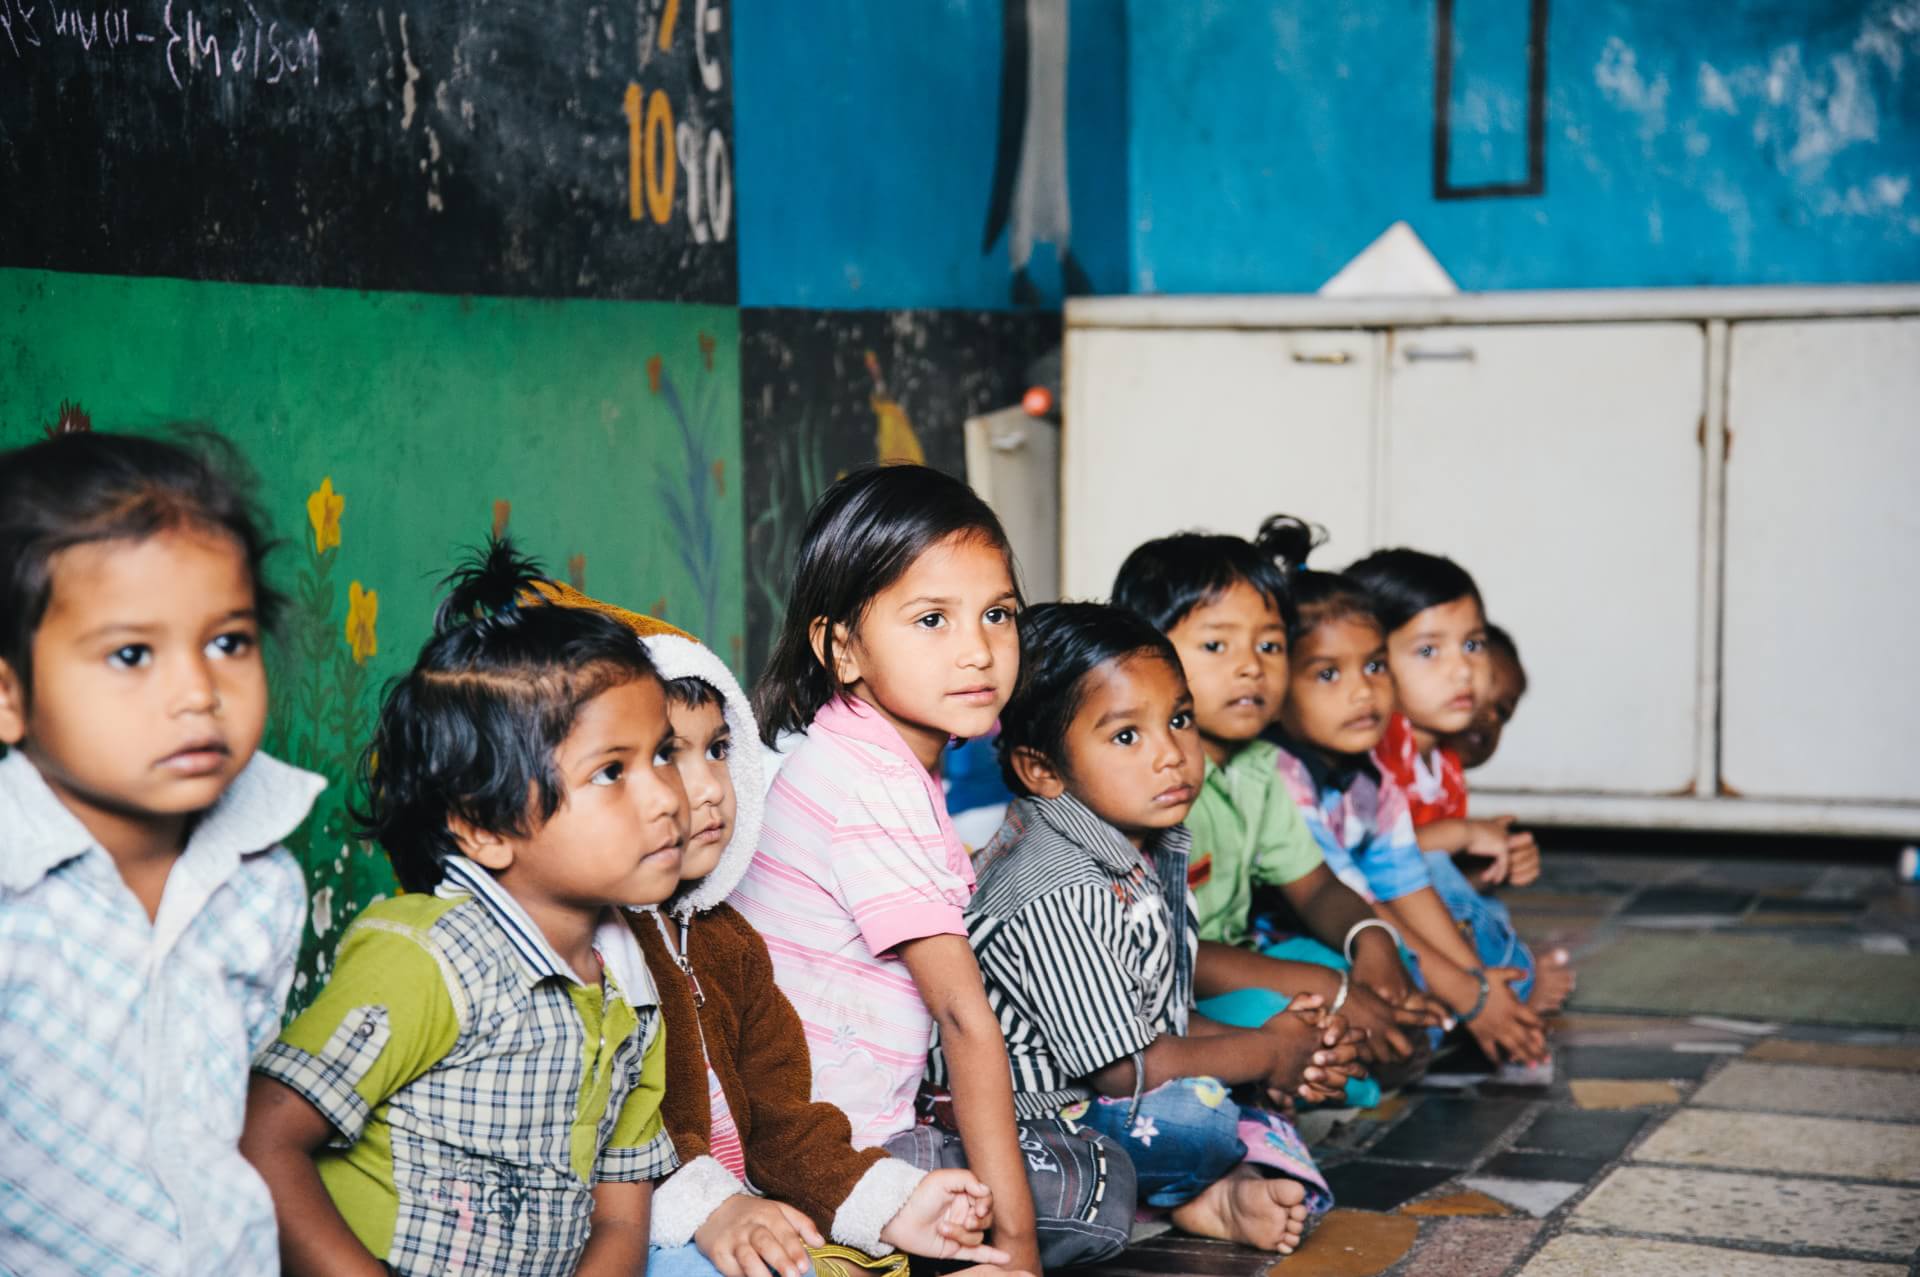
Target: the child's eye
pixel 1473 645
pixel 668 751
pixel 931 621
pixel 130 657
pixel 238 643
pixel 1424 651
pixel 1272 649
pixel 719 750
pixel 1376 667
pixel 1213 645
pixel 998 615
pixel 608 775
pixel 1328 675
pixel 1125 736
pixel 1181 722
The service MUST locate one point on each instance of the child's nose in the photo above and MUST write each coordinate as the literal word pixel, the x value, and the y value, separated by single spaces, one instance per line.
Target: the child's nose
pixel 195 691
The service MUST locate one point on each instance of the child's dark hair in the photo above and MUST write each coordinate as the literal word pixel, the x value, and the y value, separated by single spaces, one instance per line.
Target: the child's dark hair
pixel 471 730
pixel 1060 644
pixel 692 693
pixel 1167 578
pixel 81 488
pixel 1405 583
pixel 1318 597
pixel 861 535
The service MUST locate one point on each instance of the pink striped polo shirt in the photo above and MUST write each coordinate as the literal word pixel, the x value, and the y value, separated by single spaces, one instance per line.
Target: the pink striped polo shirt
pixel 856 857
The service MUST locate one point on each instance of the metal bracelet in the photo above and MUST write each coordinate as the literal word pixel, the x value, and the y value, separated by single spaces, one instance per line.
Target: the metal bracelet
pixel 1353 933
pixel 1480 1004
pixel 1340 998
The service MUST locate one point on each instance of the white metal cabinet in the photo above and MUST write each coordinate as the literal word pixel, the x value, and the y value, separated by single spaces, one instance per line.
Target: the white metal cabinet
pixel 1821 685
pixel 1560 464
pixel 1597 501
pixel 1212 430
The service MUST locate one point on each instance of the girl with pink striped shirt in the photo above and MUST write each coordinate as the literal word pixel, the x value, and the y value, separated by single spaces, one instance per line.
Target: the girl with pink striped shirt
pixel 900 637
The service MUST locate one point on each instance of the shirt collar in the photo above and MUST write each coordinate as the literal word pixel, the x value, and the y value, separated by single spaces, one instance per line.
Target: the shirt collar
pixel 612 938
pixel 1076 822
pixel 848 716
pixel 266 802
pixel 1327 771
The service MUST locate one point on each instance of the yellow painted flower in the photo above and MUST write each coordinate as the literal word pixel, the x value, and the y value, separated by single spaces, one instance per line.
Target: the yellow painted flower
pixel 323 512
pixel 363 609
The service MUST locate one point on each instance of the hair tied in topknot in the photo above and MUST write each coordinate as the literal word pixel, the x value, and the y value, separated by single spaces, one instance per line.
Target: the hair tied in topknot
pixel 1289 540
pixel 489 584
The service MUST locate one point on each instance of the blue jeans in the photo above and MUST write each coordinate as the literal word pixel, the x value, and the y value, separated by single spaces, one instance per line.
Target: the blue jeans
pixel 1185 1136
pixel 685 1261
pixel 1188 1133
pixel 1494 939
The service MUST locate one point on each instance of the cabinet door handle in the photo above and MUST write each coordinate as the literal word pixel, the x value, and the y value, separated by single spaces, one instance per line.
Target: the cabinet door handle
pixel 1334 357
pixel 1455 355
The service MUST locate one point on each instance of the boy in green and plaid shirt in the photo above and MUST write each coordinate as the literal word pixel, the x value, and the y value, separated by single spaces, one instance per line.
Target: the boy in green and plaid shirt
pixel 477 1088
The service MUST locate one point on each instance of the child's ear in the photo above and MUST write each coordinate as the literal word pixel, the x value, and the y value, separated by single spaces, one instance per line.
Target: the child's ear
pixel 1037 773
pixel 13 706
pixel 846 666
pixel 481 846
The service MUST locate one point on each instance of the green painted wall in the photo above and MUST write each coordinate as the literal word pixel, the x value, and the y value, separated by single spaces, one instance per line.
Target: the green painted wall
pixel 610 430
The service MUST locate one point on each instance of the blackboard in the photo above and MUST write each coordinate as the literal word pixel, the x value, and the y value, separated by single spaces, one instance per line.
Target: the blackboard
pixel 554 148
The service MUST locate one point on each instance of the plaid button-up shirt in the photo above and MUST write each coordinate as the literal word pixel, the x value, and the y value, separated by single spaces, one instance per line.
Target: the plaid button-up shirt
pixel 479 1089
pixel 124 1041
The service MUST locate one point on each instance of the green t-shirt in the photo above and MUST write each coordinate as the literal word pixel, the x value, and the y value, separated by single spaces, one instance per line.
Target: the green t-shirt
pixel 1246 830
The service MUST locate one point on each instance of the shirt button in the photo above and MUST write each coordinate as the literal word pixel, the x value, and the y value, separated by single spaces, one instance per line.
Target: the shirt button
pixel 364 1031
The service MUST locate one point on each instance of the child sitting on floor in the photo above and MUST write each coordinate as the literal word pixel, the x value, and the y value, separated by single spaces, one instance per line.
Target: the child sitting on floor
pixel 900 637
pixel 1493 710
pixel 1336 708
pixel 1084 930
pixel 1223 604
pixel 766 1174
pixel 149 920
pixel 477 1088
pixel 1436 634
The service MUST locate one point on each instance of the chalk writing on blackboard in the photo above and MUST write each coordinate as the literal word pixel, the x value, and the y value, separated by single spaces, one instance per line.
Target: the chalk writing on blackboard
pixel 187 42
pixel 663 154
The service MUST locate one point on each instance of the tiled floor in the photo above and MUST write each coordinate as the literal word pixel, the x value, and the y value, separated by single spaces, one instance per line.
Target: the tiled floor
pixel 1664 1144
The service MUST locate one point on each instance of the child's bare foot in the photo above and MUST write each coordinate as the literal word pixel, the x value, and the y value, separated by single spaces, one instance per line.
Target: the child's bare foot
pixel 1250 1208
pixel 1553 981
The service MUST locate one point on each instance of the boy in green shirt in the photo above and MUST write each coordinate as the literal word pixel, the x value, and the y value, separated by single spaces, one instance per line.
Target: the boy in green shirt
pixel 1223 603
pixel 477 1088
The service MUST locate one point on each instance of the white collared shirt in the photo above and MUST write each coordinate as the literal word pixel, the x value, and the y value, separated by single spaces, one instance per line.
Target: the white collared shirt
pixel 125 1043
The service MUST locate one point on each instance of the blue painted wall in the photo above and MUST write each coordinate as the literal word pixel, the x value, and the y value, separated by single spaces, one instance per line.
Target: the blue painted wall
pixel 1746 142
pixel 865 141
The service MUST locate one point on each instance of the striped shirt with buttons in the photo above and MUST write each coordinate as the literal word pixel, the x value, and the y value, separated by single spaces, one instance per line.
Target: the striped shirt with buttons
pixel 1086 956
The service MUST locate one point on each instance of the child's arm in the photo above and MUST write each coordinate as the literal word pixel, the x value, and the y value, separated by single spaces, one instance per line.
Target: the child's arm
pixel 948 978
pixel 1300 1052
pixel 1331 909
pixel 1222 968
pixel 617 1244
pixel 1504 1025
pixel 385 1017
pixel 282 1134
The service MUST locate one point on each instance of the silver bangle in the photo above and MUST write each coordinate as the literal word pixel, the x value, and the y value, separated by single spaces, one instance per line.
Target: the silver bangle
pixel 1340 998
pixel 1353 933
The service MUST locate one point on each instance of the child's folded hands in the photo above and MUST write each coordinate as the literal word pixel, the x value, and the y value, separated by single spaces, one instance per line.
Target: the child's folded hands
pixel 947 1217
pixel 748 1236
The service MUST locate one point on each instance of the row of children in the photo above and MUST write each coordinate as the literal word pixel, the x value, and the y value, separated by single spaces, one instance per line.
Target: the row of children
pixel 629 1013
